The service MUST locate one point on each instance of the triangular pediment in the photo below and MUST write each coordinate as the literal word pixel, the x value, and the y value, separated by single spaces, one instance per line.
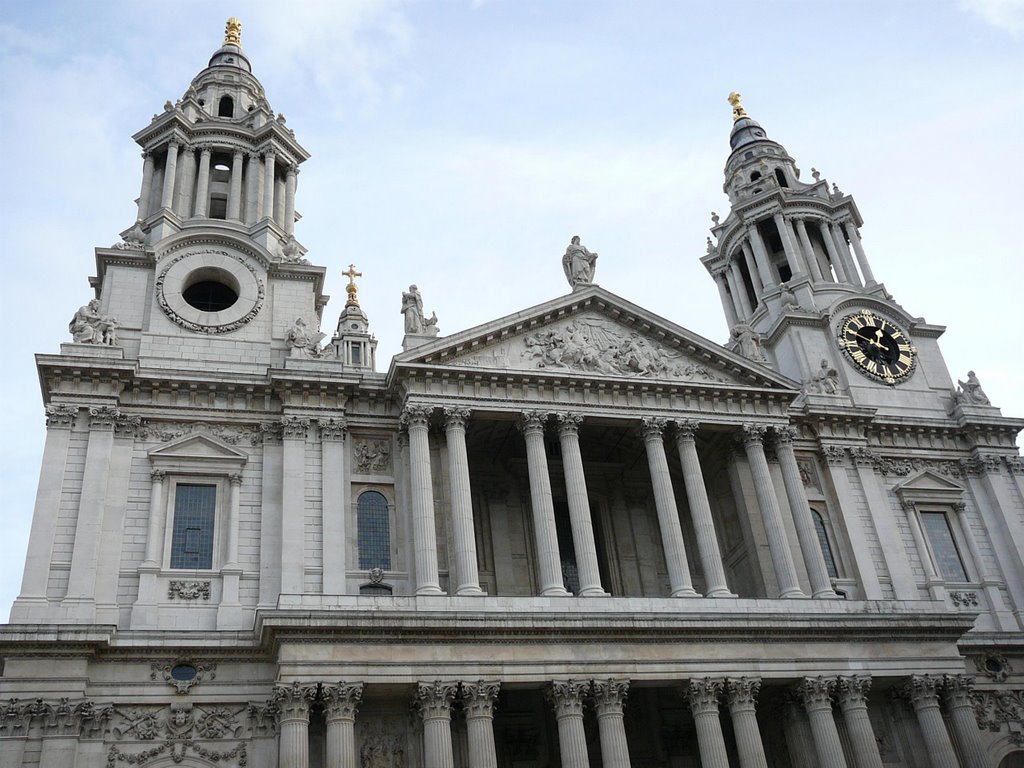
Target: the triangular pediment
pixel 593 333
pixel 198 446
pixel 928 481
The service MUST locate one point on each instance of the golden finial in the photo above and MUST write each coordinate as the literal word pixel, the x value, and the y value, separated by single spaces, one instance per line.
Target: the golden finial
pixel 233 32
pixel 737 107
pixel 352 288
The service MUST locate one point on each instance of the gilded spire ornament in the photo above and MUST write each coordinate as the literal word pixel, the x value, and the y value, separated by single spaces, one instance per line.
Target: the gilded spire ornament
pixel 233 32
pixel 352 288
pixel 738 111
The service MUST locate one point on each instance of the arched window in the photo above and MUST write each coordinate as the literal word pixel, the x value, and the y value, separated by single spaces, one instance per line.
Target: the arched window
pixel 374 535
pixel 226 107
pixel 826 548
pixel 781 177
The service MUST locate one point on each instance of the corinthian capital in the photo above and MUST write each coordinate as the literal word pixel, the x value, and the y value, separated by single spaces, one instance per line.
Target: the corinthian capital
pixel 957 689
pixel 566 696
pixel 610 695
pixel 922 690
pixel 532 421
pixel 853 690
pixel 435 699
pixel 456 417
pixel 703 695
pixel 816 691
pixel 478 698
pixel 294 428
pixel 569 423
pixel 653 427
pixel 686 429
pixel 342 700
pixel 60 416
pixel 741 692
pixel 753 434
pixel 415 415
pixel 293 700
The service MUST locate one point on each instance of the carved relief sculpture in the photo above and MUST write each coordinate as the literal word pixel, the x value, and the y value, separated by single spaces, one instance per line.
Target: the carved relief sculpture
pixel 372 457
pixel 748 342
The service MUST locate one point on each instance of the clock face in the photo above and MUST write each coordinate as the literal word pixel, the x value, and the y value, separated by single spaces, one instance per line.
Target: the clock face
pixel 877 348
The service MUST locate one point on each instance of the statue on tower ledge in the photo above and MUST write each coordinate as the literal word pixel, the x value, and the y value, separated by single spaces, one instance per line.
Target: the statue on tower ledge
pixel 88 326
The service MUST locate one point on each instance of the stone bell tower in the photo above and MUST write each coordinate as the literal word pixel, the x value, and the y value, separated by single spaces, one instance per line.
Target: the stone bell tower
pixel 799 293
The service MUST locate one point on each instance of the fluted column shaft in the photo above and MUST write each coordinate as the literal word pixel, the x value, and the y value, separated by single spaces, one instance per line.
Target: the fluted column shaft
pixel 792 254
pixel 956 691
pixel 579 506
pixel 268 185
pixel 293 724
pixel 435 705
pixel 834 256
pixel 741 694
pixel 922 691
pixel 740 289
pixel 147 185
pixel 203 184
pixel 186 182
pixel 467 577
pixel 609 698
pixel 549 563
pixel 764 266
pixel 156 516
pixel 852 695
pixel 478 702
pixel 290 180
pixel 782 559
pixel 700 511
pixel 858 250
pixel 252 193
pixel 567 698
pixel 727 302
pixel 340 704
pixel 170 172
pixel 668 514
pixel 235 188
pixel 809 255
pixel 807 534
pixel 755 278
pixel 816 694
pixel 424 534
pixel 702 696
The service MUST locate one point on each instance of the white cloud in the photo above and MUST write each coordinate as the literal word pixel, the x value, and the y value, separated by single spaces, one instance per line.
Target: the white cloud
pixel 1007 15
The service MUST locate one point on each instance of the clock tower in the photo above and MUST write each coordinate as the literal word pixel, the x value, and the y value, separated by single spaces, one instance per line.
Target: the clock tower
pixel 795 282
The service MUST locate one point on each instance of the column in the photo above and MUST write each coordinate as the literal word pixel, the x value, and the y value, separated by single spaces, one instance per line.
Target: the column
pixel 579 506
pixel 764 266
pixel 170 172
pixel 567 699
pixel 609 698
pixel 843 255
pixel 147 184
pixel 727 302
pixel 334 482
pixel 828 235
pixel 424 533
pixel 82 578
pixel 466 579
pixel 340 704
pixel 293 496
pixel 816 694
pixel 60 419
pixel 231 573
pixel 252 180
pixel 795 725
pixel 858 249
pixel 922 691
pixel 478 703
pixel 549 563
pixel 268 185
pixel 183 199
pixel 203 184
pixel 956 691
pixel 792 256
pixel 740 289
pixel 702 696
pixel 734 294
pixel 809 256
pixel 668 514
pixel 782 559
pixel 235 188
pixel 290 179
pixel 741 693
pixel 852 695
pixel 434 701
pixel 293 723
pixel 233 518
pixel 700 511
pixel 810 547
pixel 755 278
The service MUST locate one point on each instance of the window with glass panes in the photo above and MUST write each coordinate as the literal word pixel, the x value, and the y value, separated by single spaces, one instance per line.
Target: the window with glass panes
pixel 943 545
pixel 373 531
pixel 192 536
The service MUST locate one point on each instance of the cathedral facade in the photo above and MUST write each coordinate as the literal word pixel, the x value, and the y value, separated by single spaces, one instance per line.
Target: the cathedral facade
pixel 579 535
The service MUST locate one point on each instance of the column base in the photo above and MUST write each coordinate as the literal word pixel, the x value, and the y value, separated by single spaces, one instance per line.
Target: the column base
pixel 470 592
pixel 556 592
pixel 686 592
pixel 825 594
pixel 793 594
pixel 430 590
pixel 593 592
pixel 720 592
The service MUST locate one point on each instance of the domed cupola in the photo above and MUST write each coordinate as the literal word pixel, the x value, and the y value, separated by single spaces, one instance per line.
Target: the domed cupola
pixel 230 54
pixel 757 164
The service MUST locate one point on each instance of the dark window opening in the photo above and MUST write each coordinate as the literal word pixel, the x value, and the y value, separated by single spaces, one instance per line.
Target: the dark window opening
pixel 357 355
pixel 566 548
pixel 373 532
pixel 192 536
pixel 781 177
pixel 944 550
pixel 748 156
pixel 226 108
pixel 183 672
pixel 210 296
pixel 826 547
pixel 755 176
pixel 218 207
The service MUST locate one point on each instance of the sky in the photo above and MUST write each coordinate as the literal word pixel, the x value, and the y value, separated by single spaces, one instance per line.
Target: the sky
pixel 460 144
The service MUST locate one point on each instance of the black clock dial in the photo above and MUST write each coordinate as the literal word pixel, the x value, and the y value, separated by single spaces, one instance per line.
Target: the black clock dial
pixel 877 348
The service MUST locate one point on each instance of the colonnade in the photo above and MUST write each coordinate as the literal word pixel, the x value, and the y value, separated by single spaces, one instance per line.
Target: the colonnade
pixel 532 424
pixel 844 253
pixel 184 181
pixel 816 701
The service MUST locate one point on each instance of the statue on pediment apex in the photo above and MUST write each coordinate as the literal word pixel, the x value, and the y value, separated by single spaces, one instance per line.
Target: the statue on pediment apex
pixel 578 263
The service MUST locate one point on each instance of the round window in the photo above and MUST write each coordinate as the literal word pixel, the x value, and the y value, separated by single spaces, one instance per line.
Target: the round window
pixel 993 665
pixel 209 289
pixel 183 672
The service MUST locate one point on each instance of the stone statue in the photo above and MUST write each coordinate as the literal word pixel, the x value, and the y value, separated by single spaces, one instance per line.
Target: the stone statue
pixel 412 308
pixel 970 392
pixel 88 326
pixel 788 298
pixel 578 263
pixel 711 246
pixel 714 218
pixel 825 380
pixel 748 342
pixel 302 341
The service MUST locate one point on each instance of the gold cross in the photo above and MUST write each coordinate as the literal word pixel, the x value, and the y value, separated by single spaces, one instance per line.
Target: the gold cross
pixel 352 274
pixel 352 288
